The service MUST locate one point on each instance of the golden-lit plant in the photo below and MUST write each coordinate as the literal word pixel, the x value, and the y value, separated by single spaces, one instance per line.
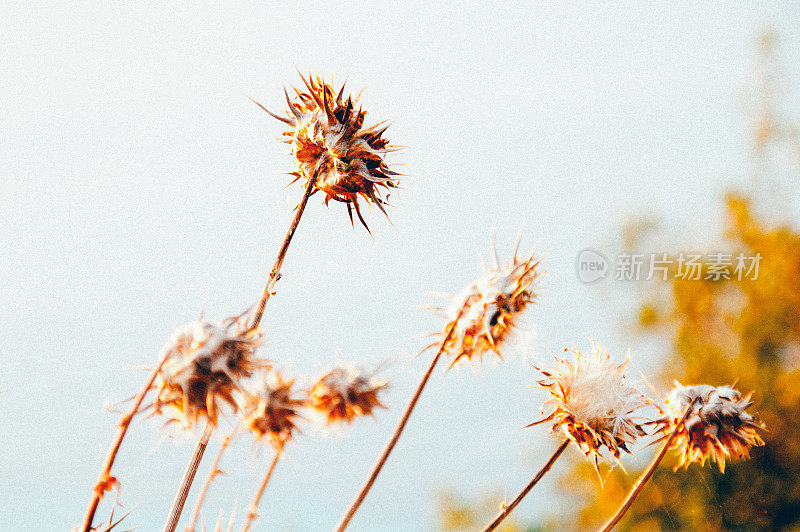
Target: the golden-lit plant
pixel 272 411
pixel 701 422
pixel 345 393
pixel 592 405
pixel 716 427
pixel 479 319
pixel 491 306
pixel 205 366
pixel 333 150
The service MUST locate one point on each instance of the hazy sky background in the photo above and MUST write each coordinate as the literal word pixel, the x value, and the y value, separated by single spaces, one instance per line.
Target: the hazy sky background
pixel 139 183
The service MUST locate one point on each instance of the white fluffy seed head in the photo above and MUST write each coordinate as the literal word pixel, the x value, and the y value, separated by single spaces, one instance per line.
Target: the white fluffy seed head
pixel 592 403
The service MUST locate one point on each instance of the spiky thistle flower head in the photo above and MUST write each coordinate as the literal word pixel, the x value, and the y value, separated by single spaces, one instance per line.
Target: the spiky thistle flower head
pixel 716 424
pixel 592 403
pixel 345 393
pixel 272 409
pixel 484 314
pixel 331 145
pixel 205 364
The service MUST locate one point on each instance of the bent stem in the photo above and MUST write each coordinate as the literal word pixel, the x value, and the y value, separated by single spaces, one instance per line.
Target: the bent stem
pixel 645 476
pixel 508 509
pixel 275 272
pixel 253 512
pixel 348 516
pixel 212 474
pixel 105 481
pixel 186 482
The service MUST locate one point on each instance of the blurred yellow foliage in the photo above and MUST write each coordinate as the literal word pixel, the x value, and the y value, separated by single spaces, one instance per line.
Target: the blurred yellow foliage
pixel 724 331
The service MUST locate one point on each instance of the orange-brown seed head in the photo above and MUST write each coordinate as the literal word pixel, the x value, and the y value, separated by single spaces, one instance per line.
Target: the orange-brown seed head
pixel 271 409
pixel 331 145
pixel 345 393
pixel 205 365
pixel 716 426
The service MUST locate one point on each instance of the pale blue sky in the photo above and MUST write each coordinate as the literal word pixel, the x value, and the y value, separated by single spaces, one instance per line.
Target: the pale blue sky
pixel 139 183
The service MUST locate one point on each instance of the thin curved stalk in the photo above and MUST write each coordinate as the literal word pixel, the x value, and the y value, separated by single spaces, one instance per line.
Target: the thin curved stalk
pixel 253 512
pixel 645 476
pixel 186 482
pixel 212 474
pixel 105 480
pixel 275 272
pixel 508 509
pixel 348 516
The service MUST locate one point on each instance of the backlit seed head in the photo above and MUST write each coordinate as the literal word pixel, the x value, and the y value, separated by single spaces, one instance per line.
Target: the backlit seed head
pixel 331 145
pixel 716 426
pixel 271 409
pixel 489 308
pixel 205 364
pixel 345 393
pixel 591 403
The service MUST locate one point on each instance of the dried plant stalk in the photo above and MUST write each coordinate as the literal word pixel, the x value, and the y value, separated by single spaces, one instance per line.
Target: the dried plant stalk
pixel 106 481
pixel 212 474
pixel 253 512
pixel 348 516
pixel 186 482
pixel 275 272
pixel 508 509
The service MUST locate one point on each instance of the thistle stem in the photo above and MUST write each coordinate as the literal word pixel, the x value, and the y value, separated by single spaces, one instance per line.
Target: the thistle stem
pixel 508 509
pixel 105 480
pixel 645 476
pixel 275 272
pixel 212 474
pixel 348 516
pixel 186 482
pixel 253 512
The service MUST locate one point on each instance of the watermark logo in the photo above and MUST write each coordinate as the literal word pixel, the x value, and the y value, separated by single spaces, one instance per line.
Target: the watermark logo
pixel 591 265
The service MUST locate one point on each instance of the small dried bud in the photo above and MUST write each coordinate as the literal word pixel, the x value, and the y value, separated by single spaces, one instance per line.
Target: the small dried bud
pixel 271 409
pixel 489 308
pixel 204 366
pixel 330 145
pixel 592 403
pixel 716 426
pixel 345 393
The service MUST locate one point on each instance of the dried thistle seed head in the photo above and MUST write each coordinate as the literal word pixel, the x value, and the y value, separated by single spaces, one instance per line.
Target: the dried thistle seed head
pixel 271 409
pixel 592 403
pixel 205 365
pixel 489 308
pixel 331 145
pixel 716 426
pixel 345 393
